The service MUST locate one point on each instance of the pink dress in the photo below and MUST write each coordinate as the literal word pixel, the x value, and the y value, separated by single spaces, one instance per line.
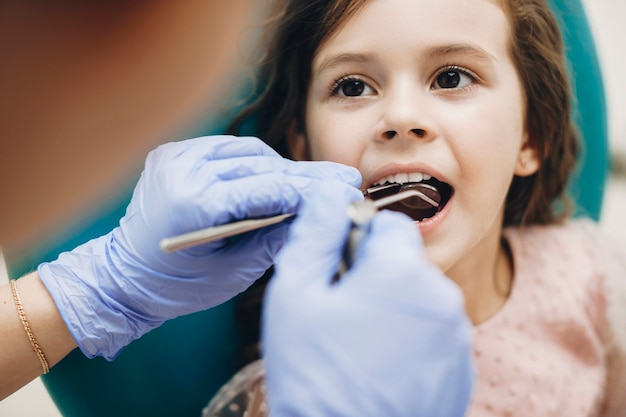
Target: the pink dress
pixel 556 348
pixel 550 350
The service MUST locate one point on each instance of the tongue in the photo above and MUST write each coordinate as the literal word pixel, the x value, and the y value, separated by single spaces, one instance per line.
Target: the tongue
pixel 421 203
pixel 415 207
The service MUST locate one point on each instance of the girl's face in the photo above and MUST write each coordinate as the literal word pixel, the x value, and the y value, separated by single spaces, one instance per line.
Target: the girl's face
pixel 425 87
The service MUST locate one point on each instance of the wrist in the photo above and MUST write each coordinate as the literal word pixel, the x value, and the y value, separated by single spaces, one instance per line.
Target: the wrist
pixel 19 360
pixel 92 300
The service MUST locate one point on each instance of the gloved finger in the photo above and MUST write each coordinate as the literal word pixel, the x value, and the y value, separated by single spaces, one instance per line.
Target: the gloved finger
pixel 394 237
pixel 317 236
pixel 248 165
pixel 227 147
pixel 261 248
pixel 325 170
pixel 176 162
pixel 213 148
pixel 230 158
pixel 392 264
pixel 269 194
pixel 250 197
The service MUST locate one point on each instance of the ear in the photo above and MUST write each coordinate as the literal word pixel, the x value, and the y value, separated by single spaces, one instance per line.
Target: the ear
pixel 528 160
pixel 297 143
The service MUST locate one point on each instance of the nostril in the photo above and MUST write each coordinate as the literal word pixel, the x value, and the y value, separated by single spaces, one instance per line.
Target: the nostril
pixel 419 132
pixel 389 134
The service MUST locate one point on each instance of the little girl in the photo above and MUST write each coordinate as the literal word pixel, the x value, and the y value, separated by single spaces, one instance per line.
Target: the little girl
pixel 471 99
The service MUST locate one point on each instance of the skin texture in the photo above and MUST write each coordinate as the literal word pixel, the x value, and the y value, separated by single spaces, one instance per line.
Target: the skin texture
pixel 465 128
pixel 18 361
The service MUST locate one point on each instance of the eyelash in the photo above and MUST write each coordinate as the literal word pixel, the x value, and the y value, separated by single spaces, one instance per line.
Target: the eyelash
pixel 455 68
pixel 338 83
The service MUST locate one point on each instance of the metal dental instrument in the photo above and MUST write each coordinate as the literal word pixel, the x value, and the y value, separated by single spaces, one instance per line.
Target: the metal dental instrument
pixel 360 212
pixel 409 186
pixel 210 234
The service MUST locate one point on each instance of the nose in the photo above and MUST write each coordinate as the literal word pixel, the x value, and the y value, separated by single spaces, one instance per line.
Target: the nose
pixel 390 134
pixel 406 114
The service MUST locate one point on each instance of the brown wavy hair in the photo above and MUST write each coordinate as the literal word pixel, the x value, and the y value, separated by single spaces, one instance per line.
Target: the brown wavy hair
pixel 298 29
pixel 538 53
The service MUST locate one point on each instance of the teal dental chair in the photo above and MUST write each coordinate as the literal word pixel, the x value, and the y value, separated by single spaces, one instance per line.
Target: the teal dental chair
pixel 175 369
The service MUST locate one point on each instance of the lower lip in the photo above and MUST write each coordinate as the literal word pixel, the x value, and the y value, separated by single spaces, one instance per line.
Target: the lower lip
pixel 429 226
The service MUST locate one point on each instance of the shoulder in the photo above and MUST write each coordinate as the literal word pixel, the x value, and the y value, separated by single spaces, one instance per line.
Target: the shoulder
pixel 608 249
pixel 588 262
pixel 557 250
pixel 582 239
pixel 542 235
pixel 579 255
pixel 580 251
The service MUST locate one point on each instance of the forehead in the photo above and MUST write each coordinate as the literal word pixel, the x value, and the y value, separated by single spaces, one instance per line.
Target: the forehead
pixel 397 24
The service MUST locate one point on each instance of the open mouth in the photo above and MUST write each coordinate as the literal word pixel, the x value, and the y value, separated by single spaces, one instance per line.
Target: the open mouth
pixel 431 198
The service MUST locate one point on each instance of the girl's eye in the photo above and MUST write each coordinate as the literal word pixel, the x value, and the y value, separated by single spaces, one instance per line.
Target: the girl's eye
pixel 350 87
pixel 453 78
pixel 353 88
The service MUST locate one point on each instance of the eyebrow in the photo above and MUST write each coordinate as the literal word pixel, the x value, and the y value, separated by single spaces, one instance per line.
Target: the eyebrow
pixel 339 59
pixel 436 51
pixel 461 49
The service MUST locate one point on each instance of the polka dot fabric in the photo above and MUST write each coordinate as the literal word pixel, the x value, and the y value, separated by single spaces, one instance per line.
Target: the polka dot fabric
pixel 543 354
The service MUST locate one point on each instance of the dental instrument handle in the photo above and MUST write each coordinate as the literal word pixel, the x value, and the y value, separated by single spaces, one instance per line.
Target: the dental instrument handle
pixel 211 234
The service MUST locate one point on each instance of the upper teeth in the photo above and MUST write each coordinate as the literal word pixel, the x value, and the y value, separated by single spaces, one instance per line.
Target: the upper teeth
pixel 403 177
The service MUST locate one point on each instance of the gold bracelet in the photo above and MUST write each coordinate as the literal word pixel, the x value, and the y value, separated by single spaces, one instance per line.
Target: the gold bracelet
pixel 29 331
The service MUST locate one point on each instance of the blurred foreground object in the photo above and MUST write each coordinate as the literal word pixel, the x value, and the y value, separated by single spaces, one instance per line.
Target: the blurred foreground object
pixel 88 88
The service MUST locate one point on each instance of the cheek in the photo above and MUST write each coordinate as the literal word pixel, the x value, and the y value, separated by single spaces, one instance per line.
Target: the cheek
pixel 487 159
pixel 491 163
pixel 333 137
pixel 493 139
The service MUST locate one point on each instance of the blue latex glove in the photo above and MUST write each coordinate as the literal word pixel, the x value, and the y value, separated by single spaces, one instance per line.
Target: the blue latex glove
pixel 114 289
pixel 391 338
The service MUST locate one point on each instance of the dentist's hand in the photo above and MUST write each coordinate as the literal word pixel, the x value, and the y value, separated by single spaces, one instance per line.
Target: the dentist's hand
pixel 114 289
pixel 391 338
